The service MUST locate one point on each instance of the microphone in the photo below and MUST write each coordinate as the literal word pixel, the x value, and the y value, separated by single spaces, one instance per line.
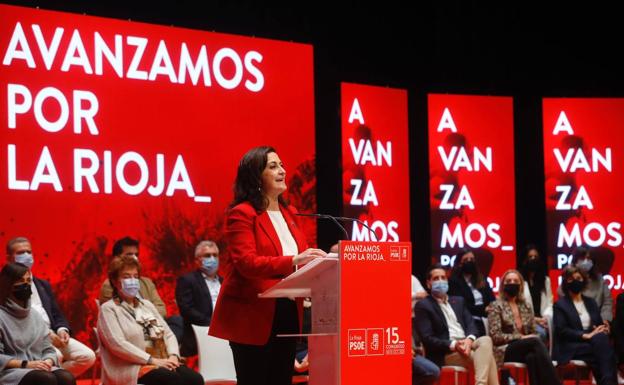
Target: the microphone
pixel 336 221
pixel 361 223
pixel 325 216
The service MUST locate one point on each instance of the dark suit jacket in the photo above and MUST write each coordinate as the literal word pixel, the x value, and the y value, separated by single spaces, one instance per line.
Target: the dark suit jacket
pixel 459 287
pixel 433 329
pixel 57 319
pixel 568 329
pixel 618 327
pixel 195 304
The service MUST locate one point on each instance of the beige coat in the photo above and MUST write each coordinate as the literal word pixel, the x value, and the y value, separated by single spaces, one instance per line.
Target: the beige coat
pixel 122 344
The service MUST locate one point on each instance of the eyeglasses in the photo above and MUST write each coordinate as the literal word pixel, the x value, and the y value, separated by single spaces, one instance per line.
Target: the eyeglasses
pixel 208 255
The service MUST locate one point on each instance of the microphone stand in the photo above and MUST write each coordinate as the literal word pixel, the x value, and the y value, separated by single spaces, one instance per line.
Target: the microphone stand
pixel 336 221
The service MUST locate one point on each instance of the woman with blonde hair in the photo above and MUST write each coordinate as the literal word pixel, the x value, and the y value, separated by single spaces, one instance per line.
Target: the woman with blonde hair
pixel 512 328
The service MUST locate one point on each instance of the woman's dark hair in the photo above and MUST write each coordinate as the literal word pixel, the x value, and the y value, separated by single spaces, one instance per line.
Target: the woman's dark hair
pixel 476 280
pixel 11 273
pixel 248 184
pixel 116 265
pixel 580 253
pixel 567 273
pixel 539 275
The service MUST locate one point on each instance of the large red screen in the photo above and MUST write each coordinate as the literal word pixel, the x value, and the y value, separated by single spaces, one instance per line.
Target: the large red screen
pixel 472 195
pixel 114 128
pixel 583 152
pixel 375 162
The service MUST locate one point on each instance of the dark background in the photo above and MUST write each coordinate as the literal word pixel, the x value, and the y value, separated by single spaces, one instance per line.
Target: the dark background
pixel 470 47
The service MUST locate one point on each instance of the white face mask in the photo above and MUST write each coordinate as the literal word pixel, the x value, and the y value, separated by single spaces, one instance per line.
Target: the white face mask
pixel 25 259
pixel 585 265
pixel 130 286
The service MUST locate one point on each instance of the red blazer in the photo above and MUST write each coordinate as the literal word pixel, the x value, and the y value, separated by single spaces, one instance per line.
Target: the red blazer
pixel 252 264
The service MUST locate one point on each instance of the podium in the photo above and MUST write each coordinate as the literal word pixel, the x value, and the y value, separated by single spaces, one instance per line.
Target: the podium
pixel 361 313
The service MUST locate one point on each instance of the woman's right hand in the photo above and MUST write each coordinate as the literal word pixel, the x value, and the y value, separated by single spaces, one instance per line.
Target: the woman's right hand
pixel 39 365
pixel 308 255
pixel 599 329
pixel 164 363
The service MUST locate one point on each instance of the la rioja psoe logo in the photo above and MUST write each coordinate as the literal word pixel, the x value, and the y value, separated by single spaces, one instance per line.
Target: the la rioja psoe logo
pixel 399 253
pixel 375 342
pixel 357 342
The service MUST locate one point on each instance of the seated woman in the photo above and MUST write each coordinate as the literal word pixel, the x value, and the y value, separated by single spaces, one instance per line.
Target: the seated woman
pixel 537 289
pixel 137 344
pixel 512 328
pixel 579 331
pixel 468 282
pixel 27 356
pixel 595 286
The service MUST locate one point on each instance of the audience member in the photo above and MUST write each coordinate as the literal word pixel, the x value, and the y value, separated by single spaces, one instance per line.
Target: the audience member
pixel 467 281
pixel 580 333
pixel 130 247
pixel 512 328
pixel 595 286
pixel 447 330
pixel 27 356
pixel 536 290
pixel 137 345
pixel 197 292
pixel 76 357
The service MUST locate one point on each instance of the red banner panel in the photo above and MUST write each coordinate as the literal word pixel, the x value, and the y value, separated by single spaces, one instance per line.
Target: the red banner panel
pixel 375 162
pixel 472 195
pixel 375 341
pixel 114 128
pixel 583 146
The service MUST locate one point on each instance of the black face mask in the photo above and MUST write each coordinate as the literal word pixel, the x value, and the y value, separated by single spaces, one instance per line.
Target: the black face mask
pixel 576 286
pixel 533 265
pixel 512 289
pixel 469 267
pixel 22 292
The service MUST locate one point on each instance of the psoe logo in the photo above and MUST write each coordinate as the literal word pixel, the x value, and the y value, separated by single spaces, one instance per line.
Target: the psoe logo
pixel 357 342
pixel 375 342
pixel 395 253
pixel 399 253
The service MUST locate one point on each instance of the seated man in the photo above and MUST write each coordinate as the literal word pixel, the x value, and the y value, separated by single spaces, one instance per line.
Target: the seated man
pixel 130 247
pixel 76 357
pixel 424 372
pixel 197 292
pixel 447 331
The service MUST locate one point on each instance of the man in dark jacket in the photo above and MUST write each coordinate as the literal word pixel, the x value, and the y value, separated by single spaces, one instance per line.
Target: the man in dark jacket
pixel 197 292
pixel 447 331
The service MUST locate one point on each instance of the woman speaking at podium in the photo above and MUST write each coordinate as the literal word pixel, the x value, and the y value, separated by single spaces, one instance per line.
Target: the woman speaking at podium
pixel 264 244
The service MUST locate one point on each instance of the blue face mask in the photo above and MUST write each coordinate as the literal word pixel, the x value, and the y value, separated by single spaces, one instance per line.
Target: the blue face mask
pixel 439 287
pixel 210 265
pixel 25 259
pixel 130 286
pixel 585 265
